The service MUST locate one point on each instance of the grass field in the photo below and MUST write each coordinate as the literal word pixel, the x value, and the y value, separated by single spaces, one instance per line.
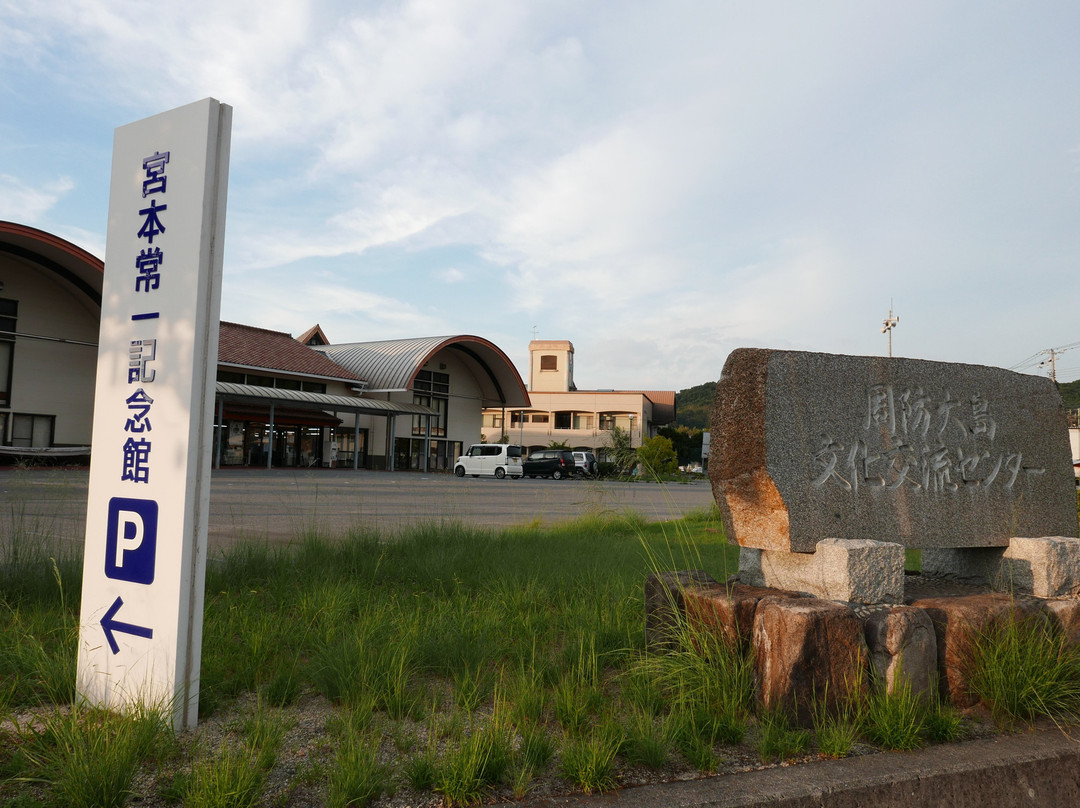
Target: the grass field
pixel 445 664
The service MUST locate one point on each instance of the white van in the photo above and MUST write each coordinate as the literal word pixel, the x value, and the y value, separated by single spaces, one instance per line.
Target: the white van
pixel 498 459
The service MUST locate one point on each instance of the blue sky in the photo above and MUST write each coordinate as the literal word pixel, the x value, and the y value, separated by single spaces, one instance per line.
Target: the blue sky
pixel 657 182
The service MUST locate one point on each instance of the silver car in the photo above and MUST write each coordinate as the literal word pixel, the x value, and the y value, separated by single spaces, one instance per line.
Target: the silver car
pixel 585 464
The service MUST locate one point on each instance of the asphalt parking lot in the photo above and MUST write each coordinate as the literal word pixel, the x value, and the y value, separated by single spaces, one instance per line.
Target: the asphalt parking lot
pixel 280 504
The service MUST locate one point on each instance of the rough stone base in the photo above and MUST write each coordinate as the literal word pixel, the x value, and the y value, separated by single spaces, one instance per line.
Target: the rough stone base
pixel 853 570
pixel 727 609
pixel 903 649
pixel 958 622
pixel 665 608
pixel 807 651
pixel 1047 567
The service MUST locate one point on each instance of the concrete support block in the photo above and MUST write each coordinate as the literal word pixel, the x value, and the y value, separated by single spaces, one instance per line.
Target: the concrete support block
pixel 853 570
pixel 903 649
pixel 1046 567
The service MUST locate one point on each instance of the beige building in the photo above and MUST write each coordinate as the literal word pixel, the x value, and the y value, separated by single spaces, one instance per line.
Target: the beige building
pixel 583 419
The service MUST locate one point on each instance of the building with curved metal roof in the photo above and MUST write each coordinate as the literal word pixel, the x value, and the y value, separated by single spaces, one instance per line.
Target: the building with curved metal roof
pixel 395 404
pixel 456 375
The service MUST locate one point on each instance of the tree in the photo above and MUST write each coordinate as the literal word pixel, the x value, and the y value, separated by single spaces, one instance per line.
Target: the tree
pixel 657 455
pixel 622 454
pixel 686 440
pixel 557 444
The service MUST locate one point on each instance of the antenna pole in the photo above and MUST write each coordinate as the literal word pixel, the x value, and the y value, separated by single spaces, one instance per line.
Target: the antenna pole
pixel 888 324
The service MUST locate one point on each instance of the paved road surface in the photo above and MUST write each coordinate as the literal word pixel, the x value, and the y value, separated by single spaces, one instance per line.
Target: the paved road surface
pixel 277 505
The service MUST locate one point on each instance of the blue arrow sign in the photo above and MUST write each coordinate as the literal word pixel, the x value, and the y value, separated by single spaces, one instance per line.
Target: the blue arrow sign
pixel 108 625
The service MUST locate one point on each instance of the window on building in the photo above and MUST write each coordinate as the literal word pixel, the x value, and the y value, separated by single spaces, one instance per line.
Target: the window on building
pixel 313 387
pixel 540 418
pixel 432 389
pixel 607 422
pixel 9 311
pixel 7 352
pixel 563 420
pixel 230 376
pixel 583 421
pixel 549 362
pixel 31 430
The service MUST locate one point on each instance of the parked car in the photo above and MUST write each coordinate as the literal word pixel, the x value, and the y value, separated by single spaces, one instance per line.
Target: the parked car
pixel 490 459
pixel 585 464
pixel 554 463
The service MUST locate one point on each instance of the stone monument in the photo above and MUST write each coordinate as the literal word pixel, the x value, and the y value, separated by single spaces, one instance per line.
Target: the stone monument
pixel 826 467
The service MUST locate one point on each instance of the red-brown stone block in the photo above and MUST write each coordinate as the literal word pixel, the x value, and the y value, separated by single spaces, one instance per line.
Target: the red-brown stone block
pixel 806 649
pixel 958 623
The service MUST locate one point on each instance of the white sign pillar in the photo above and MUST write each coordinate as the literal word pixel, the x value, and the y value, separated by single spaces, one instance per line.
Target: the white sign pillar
pixel 140 638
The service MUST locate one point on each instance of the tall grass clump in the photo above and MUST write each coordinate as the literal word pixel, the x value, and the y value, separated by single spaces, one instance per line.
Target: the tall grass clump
pixel 588 761
pixel 778 738
pixel 468 769
pixel 88 759
pixel 231 777
pixel 708 682
pixel 836 730
pixel 895 719
pixel 357 777
pixel 1024 669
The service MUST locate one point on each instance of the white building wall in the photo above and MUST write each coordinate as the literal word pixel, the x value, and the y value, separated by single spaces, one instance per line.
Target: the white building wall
pixel 52 378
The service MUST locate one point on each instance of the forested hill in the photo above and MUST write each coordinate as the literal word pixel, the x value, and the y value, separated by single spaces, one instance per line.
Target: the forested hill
pixel 693 405
pixel 1070 396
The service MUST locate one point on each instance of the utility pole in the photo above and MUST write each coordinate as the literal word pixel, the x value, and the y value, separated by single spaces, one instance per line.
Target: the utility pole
pixel 1053 353
pixel 888 324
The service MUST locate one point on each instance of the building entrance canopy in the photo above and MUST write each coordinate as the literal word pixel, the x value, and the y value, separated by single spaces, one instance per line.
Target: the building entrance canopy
pixel 231 391
pixel 315 403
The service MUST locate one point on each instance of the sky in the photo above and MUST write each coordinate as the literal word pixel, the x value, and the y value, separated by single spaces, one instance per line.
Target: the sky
pixel 659 183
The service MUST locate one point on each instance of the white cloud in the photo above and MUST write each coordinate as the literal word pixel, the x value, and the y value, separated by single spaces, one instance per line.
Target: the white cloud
pixel 451 275
pixel 25 203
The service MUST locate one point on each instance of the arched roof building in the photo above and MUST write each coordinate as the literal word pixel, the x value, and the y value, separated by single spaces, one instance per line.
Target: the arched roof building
pixel 276 394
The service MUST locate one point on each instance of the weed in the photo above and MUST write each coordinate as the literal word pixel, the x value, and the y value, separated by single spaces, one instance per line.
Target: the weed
pixel 536 748
pixel 589 761
pixel 943 724
pixel 356 776
pixel 264 733
pixel 1023 669
pixel 648 740
pixel 468 769
pixel 778 739
pixel 894 719
pixel 90 758
pixel 231 778
pixel 421 770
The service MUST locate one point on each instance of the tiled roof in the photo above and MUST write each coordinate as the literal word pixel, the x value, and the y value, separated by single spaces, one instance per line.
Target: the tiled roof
pixel 663 405
pixel 247 346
